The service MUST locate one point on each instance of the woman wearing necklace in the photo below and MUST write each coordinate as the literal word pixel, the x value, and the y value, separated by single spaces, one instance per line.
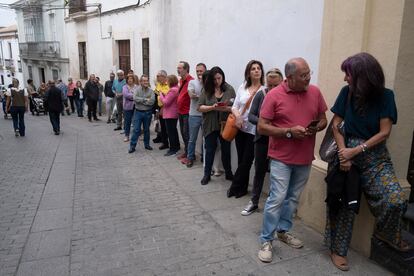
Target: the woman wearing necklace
pixel 215 103
pixel 254 80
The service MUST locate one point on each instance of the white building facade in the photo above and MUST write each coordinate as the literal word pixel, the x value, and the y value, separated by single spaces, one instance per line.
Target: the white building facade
pixel 10 63
pixel 42 40
pixel 151 35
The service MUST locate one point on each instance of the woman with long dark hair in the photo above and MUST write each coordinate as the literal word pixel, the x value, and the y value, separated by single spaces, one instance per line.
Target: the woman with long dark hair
pixel 369 111
pixel 215 103
pixel 253 82
pixel 79 98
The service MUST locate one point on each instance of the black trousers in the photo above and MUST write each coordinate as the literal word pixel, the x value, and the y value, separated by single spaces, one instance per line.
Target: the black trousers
pixel 210 143
pixel 171 125
pixel 92 105
pixel 245 157
pixel 184 129
pixel 261 164
pixel 72 103
pixel 163 134
pixel 55 120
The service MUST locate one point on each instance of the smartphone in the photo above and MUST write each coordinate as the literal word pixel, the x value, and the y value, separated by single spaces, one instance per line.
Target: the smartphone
pixel 222 104
pixel 313 123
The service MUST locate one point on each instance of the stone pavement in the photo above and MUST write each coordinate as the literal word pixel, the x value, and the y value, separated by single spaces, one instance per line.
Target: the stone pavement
pixel 78 204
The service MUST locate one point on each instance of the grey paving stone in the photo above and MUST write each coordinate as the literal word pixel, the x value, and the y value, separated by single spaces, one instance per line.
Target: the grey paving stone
pixel 56 200
pixel 47 244
pixel 47 267
pixel 52 219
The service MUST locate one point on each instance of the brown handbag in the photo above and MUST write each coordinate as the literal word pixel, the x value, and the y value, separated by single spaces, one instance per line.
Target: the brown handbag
pixel 230 129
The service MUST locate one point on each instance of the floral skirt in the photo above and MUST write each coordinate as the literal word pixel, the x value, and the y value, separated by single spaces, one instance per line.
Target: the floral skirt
pixel 384 196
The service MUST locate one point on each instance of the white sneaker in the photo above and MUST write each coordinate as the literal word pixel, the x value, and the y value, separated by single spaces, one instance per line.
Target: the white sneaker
pixel 250 208
pixel 289 239
pixel 218 173
pixel 265 252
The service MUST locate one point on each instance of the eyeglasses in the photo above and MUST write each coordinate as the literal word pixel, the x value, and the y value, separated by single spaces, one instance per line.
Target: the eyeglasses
pixel 307 75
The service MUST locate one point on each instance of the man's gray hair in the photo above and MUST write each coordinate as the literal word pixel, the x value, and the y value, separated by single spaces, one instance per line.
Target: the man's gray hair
pixel 163 73
pixel 120 71
pixel 290 68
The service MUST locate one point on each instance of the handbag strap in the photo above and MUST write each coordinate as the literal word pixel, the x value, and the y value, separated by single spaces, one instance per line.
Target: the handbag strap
pixel 249 101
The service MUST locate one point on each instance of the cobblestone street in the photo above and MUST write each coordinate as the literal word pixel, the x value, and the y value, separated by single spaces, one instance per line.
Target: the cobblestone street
pixel 79 204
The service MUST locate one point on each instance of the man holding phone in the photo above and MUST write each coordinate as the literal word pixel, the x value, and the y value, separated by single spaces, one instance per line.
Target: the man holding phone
pixel 291 128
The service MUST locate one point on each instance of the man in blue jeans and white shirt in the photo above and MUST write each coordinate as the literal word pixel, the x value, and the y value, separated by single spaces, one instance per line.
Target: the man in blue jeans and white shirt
pixel 286 116
pixel 195 118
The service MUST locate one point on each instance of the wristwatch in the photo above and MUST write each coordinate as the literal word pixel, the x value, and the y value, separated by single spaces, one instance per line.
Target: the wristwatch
pixel 289 134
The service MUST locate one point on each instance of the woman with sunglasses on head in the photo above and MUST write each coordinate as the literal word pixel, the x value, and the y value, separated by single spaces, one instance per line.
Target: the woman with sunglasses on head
pixel 253 82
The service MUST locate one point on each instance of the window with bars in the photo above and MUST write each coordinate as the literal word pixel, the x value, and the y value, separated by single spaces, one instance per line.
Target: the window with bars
pixel 145 56
pixel 124 55
pixel 33 24
pixel 83 66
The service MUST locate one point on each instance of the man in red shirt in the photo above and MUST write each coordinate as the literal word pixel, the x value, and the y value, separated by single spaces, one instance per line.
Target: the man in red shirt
pixel 291 115
pixel 183 102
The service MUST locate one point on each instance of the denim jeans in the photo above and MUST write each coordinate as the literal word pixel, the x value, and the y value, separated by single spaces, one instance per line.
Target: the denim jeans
pixel 143 117
pixel 183 119
pixel 119 109
pixel 79 106
pixel 100 105
pixel 286 182
pixel 17 113
pixel 127 121
pixel 55 120
pixel 194 124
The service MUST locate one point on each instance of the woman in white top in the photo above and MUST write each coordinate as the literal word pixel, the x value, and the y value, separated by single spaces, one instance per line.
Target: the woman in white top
pixel 253 82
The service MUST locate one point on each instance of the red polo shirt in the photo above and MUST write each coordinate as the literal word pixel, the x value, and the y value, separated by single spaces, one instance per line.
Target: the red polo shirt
pixel 183 100
pixel 286 109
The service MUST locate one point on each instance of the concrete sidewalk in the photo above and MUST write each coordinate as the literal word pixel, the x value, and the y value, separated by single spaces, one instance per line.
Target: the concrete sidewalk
pixel 79 204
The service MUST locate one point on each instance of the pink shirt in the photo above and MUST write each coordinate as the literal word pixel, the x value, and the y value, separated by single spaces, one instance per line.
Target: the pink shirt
pixel 286 108
pixel 170 106
pixel 71 87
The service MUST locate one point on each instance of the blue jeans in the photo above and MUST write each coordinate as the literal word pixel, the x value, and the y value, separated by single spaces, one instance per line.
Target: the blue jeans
pixel 79 106
pixel 127 121
pixel 17 113
pixel 194 124
pixel 286 185
pixel 143 117
pixel 100 105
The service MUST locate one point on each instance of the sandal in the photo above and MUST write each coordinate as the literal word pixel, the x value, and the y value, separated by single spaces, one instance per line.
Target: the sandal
pixel 404 246
pixel 339 262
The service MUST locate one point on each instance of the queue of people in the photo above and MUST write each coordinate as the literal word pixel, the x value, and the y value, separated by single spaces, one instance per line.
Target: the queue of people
pixel 277 119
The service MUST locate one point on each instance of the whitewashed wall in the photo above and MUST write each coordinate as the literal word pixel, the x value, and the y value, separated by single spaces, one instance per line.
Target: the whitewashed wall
pixel 225 33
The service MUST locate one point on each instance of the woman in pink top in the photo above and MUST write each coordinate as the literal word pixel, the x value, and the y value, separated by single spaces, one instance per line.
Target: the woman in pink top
pixel 170 114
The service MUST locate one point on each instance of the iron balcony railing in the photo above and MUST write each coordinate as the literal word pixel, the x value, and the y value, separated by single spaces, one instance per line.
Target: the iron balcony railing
pixel 40 49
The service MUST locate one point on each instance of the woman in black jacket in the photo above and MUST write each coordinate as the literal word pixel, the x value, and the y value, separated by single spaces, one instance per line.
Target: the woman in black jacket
pixel 79 98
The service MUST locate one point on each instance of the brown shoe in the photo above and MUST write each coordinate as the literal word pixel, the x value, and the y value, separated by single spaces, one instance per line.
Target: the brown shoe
pixel 339 262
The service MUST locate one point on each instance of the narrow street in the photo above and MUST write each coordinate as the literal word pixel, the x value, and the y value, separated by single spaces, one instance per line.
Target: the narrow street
pixel 79 204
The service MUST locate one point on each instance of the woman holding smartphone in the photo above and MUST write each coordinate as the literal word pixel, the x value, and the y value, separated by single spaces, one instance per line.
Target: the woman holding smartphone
pixel 215 103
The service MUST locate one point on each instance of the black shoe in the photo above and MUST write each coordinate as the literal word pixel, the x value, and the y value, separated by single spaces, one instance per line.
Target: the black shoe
pixel 148 147
pixel 163 146
pixel 108 122
pixel 230 193
pixel 96 119
pixel 100 114
pixel 118 128
pixel 56 132
pixel 131 150
pixel 81 115
pixel 205 180
pixel 229 176
pixel 157 140
pixel 190 163
pixel 241 194
pixel 90 120
pixel 170 152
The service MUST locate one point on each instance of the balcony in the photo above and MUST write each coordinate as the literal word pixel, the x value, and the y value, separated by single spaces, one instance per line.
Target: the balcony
pixel 41 49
